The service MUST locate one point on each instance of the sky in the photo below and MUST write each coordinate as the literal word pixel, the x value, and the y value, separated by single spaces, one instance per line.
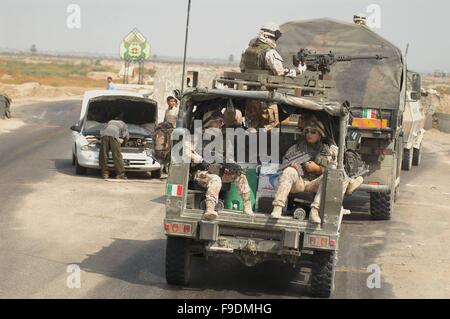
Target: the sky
pixel 218 28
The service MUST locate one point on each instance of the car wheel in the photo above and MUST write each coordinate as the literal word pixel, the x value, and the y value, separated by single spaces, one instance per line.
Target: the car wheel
pixel 79 170
pixel 178 260
pixel 407 159
pixel 417 156
pixel 156 174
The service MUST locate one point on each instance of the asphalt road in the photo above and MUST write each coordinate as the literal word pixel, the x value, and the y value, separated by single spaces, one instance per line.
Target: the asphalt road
pixel 51 219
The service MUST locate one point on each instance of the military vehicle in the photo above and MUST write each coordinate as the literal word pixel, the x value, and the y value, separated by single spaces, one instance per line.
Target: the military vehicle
pixel 291 239
pixel 413 122
pixel 384 121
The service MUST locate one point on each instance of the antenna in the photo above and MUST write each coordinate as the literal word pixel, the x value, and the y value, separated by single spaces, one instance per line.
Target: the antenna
pixel 185 46
pixel 406 50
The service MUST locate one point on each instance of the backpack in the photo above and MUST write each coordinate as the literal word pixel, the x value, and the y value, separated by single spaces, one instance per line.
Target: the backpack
pixel 162 142
pixel 354 165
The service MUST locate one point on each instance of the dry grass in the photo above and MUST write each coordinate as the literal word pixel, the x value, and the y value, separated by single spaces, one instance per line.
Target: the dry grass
pixel 53 74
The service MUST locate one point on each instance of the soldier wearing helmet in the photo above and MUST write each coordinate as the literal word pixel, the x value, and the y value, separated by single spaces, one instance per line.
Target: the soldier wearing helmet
pixel 211 176
pixel 359 18
pixel 262 54
pixel 323 155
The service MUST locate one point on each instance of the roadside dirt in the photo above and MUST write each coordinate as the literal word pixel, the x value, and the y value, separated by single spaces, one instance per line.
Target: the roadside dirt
pixel 416 258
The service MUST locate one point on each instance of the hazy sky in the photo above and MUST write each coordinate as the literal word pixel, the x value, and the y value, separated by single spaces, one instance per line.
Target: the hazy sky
pixel 218 27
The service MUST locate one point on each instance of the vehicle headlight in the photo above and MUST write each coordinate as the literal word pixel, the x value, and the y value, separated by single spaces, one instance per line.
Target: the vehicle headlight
pixel 89 147
pixel 148 152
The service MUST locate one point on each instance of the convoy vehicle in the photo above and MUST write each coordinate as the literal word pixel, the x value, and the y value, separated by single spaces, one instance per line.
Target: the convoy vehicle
pixel 291 239
pixel 413 123
pixel 99 107
pixel 386 123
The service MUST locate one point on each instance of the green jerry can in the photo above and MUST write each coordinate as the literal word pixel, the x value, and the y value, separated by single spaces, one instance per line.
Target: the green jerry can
pixel 233 200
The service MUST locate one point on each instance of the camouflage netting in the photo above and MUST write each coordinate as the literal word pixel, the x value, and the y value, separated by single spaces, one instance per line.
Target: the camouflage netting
pixel 367 83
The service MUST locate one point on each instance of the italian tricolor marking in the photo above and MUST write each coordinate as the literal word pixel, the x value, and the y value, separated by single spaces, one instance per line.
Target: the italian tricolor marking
pixel 174 190
pixel 370 114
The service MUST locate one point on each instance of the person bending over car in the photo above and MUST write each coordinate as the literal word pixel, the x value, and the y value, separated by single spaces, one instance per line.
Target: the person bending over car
pixel 113 135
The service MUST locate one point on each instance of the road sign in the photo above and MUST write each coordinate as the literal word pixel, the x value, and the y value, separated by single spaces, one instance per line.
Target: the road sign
pixel 134 47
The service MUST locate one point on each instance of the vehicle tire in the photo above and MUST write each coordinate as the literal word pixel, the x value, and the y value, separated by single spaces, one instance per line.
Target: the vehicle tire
pixel 407 160
pixel 178 261
pixel 79 170
pixel 322 273
pixel 73 159
pixel 156 174
pixel 417 156
pixel 382 205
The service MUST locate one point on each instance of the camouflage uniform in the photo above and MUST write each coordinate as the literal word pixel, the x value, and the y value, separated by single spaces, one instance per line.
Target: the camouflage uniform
pixel 290 181
pixel 211 180
pixel 261 55
pixel 260 116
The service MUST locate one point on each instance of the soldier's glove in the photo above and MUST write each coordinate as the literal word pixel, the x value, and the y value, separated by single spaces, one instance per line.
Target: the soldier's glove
pixel 120 141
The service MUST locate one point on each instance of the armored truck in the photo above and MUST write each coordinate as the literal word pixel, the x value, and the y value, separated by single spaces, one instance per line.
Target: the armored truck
pixel 413 122
pixel 384 125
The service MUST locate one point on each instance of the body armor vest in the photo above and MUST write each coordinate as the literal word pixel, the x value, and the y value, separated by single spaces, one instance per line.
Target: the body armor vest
pixel 254 56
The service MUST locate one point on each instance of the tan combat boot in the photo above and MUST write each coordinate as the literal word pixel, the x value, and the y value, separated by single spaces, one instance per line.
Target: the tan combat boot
pixel 210 214
pixel 314 216
pixel 354 184
pixel 247 205
pixel 276 212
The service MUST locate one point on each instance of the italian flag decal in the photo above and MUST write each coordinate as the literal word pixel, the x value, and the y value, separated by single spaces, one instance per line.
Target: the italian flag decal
pixel 174 190
pixel 370 114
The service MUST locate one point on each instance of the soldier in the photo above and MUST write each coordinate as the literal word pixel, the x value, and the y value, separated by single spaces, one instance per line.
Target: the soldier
pixel 261 115
pixel 323 156
pixel 359 18
pixel 262 54
pixel 113 134
pixel 211 176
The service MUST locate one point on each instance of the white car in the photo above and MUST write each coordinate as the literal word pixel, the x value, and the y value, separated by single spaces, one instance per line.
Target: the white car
pixel 101 106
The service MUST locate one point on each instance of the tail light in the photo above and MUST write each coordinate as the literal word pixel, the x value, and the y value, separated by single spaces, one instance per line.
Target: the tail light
pixel 178 228
pixel 314 241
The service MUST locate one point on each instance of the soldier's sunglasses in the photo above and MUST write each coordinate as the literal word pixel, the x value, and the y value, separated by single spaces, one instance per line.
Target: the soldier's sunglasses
pixel 313 132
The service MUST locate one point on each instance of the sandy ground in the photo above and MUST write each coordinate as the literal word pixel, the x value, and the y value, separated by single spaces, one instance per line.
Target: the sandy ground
pixel 416 262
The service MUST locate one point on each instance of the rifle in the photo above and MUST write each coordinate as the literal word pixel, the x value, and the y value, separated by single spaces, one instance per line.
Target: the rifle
pixel 322 62
pixel 299 157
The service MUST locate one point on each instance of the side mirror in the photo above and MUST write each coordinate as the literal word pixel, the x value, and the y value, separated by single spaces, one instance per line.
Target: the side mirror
pixel 75 128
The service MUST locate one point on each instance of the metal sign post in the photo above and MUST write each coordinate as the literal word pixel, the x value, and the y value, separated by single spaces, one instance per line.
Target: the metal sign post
pixel 185 45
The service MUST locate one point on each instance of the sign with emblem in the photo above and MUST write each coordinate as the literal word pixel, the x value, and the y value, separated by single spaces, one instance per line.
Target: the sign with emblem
pixel 134 47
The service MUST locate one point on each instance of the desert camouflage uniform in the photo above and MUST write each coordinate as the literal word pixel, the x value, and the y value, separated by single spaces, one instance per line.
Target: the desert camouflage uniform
pixel 260 116
pixel 273 62
pixel 211 180
pixel 290 181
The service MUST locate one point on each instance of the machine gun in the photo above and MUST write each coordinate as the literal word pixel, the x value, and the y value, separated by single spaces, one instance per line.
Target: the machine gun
pixel 299 157
pixel 322 62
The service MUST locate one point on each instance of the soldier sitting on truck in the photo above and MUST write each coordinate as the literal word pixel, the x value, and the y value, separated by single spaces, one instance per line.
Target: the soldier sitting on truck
pixel 211 176
pixel 323 155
